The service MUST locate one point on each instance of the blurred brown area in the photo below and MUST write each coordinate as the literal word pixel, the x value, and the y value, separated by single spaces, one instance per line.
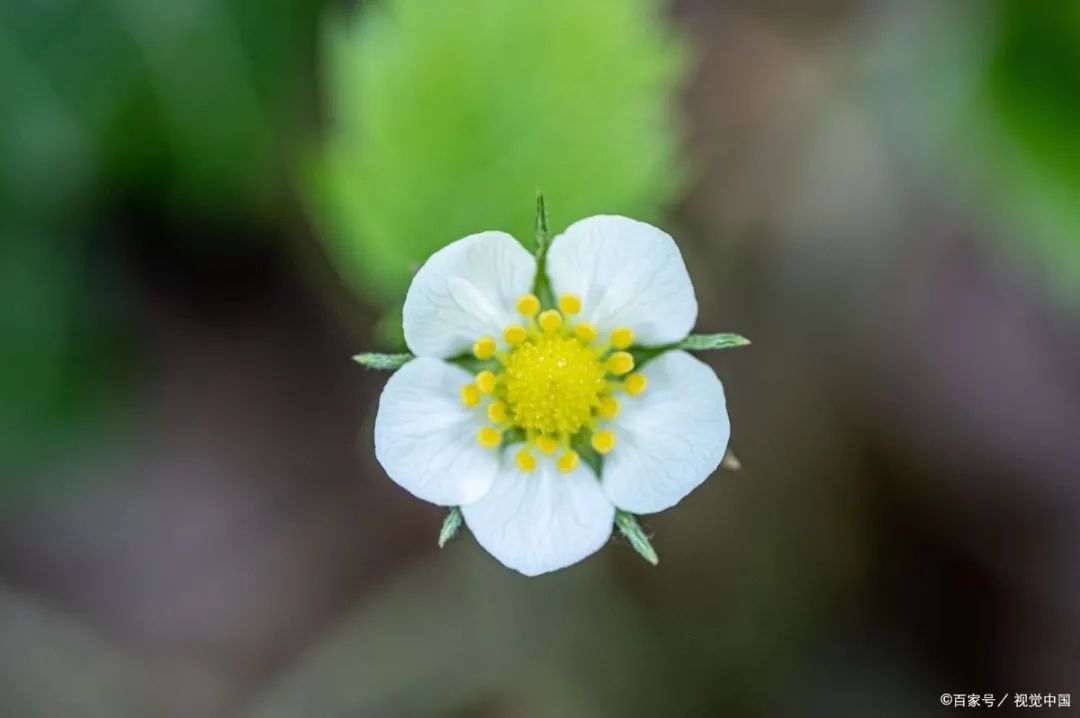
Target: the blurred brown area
pixel 905 522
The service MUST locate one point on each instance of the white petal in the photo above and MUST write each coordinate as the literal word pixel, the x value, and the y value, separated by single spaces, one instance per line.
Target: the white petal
pixel 425 437
pixel 627 274
pixel 541 521
pixel 670 438
pixel 466 290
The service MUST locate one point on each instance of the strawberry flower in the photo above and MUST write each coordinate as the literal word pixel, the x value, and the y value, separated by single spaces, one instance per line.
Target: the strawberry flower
pixel 547 395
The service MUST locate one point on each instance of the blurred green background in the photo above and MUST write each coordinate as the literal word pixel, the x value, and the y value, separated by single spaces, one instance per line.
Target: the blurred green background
pixel 207 207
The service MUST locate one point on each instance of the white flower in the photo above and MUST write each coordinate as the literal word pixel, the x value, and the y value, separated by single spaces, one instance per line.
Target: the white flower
pixel 504 444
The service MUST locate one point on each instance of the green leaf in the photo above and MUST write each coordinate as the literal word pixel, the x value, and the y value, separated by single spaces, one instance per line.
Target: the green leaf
pixel 702 342
pixel 385 362
pixel 452 82
pixel 630 528
pixel 450 525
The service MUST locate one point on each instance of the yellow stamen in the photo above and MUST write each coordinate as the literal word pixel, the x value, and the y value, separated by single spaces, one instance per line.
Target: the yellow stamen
pixel 485 381
pixel 550 320
pixel 622 338
pixel 585 332
pixel 528 305
pixel 496 411
pixel 603 441
pixel 570 304
pixel 609 407
pixel 525 461
pixel 620 363
pixel 470 395
pixel 484 348
pixel 635 384
pixel 551 383
pixel 515 334
pixel 488 437
pixel 547 444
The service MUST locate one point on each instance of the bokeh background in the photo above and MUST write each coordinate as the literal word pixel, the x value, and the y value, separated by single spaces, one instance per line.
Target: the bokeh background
pixel 207 207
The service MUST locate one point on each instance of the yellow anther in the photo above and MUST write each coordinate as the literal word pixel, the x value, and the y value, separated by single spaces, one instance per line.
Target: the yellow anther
pixel 620 363
pixel 622 338
pixel 470 395
pixel 525 461
pixel 603 441
pixel 609 407
pixel 570 304
pixel 489 437
pixel 550 320
pixel 496 411
pixel 515 334
pixel 528 305
pixel 568 461
pixel 484 348
pixel 547 444
pixel 635 384
pixel 585 332
pixel 485 381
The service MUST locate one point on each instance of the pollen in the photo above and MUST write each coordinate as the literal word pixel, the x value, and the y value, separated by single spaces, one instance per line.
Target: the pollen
pixel 620 363
pixel 528 305
pixel 515 334
pixel 525 461
pixel 568 461
pixel 485 381
pixel 484 348
pixel 585 332
pixel 550 320
pixel 488 437
pixel 552 384
pixel 603 441
pixel 635 384
pixel 570 304
pixel 470 395
pixel 622 337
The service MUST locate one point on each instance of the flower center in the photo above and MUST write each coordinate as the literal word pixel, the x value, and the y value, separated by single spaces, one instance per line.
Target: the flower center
pixel 554 383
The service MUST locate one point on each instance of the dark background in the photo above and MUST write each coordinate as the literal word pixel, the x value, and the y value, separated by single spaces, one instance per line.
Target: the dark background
pixel 885 197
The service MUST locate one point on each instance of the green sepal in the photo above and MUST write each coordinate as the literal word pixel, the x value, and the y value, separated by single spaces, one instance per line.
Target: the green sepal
pixel 513 435
pixel 383 362
pixel 542 237
pixel 450 525
pixel 694 343
pixel 541 227
pixel 629 527
pixel 704 342
pixel 473 365
pixel 580 443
